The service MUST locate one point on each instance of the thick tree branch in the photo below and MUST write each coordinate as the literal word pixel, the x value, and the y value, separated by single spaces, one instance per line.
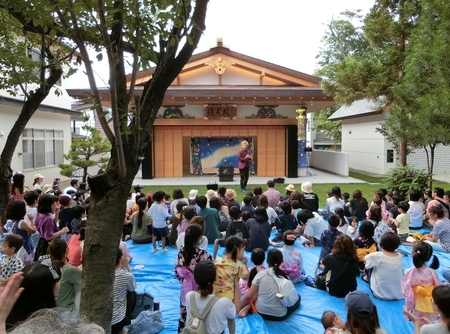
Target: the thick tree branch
pixel 112 58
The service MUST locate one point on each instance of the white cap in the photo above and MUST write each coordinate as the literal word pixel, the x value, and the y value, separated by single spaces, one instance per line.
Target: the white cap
pixel 193 194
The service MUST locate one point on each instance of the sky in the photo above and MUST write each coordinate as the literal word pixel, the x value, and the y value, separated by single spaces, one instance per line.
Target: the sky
pixel 283 32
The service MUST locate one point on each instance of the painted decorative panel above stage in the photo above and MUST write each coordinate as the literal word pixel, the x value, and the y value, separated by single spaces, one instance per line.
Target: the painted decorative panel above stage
pixel 209 154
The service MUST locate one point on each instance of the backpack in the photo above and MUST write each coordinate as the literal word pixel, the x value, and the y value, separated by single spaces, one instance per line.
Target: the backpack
pixel 287 294
pixel 197 324
pixel 224 221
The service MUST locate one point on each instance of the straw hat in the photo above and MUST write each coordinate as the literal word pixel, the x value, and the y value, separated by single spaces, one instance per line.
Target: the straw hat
pixel 307 187
pixel 210 193
pixel 38 176
pixel 290 187
pixel 47 188
pixel 230 193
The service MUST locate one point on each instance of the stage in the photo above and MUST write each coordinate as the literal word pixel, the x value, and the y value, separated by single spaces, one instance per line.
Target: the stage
pixel 320 177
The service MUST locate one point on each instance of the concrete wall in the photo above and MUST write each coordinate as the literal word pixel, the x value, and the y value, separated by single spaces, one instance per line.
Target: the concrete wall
pixel 333 162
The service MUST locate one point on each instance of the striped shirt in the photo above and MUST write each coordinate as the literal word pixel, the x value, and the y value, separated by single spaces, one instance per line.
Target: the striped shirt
pixel 123 282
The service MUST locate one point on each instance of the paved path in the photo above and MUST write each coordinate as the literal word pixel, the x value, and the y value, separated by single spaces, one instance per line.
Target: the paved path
pixel 320 177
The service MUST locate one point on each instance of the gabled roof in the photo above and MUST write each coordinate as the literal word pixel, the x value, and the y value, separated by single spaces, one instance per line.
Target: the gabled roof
pixel 251 64
pixel 365 107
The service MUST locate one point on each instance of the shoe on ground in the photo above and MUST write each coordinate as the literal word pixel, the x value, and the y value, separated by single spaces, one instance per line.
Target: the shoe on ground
pixel 155 250
pixel 163 250
pixel 244 190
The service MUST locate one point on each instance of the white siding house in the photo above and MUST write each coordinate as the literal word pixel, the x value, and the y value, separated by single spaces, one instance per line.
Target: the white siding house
pixel 46 138
pixel 368 150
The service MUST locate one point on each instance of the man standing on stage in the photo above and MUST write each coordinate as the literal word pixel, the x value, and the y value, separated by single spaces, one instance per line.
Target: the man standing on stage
pixel 244 164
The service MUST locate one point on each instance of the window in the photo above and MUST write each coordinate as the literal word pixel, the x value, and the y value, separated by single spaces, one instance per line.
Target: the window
pixel 35 55
pixel 42 148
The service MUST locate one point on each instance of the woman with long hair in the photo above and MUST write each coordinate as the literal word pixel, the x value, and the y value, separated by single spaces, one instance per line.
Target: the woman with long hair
pixel 358 205
pixel 41 285
pixel 188 257
pixel 335 201
pixel 17 186
pixel 68 296
pixel 266 288
pixel 341 267
pixel 142 223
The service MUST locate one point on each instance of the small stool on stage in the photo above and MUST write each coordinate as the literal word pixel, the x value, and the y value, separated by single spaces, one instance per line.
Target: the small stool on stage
pixel 226 173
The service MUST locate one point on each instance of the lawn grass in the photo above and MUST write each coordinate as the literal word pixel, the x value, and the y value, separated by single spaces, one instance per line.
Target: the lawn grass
pixel 321 190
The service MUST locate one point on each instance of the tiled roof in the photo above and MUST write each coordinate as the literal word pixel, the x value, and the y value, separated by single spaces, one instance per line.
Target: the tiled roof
pixel 358 108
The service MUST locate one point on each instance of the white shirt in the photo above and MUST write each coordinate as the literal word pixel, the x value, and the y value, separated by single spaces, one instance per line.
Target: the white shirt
pixel 386 275
pixel 416 212
pixel 216 319
pixel 159 213
pixel 203 244
pixel 315 226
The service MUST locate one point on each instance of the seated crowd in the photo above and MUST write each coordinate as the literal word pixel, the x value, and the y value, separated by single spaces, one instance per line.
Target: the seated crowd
pixel 46 230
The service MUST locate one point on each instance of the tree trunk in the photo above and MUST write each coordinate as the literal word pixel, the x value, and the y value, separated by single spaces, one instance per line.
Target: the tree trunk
pixel 402 152
pixel 103 232
pixel 431 165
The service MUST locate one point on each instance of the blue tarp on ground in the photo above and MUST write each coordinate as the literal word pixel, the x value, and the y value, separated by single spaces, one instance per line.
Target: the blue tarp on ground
pixel 158 279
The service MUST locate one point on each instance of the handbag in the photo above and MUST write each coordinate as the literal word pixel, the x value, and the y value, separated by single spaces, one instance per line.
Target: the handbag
pixel 143 302
pixel 321 279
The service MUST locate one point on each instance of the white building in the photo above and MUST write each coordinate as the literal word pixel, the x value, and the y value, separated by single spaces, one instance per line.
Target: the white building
pixel 368 150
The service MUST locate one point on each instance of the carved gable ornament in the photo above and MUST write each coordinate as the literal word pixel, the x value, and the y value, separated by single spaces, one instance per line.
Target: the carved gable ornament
pixel 219 65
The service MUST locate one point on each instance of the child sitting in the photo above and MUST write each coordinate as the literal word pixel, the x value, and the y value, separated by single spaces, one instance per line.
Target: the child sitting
pixel 329 236
pixel 419 281
pixel 402 221
pixel 332 323
pixel 10 262
pixel 230 268
pixel 65 216
pixel 284 222
pixel 292 260
pixel 187 213
pixel 237 228
pixel 258 257
pixel 79 213
pixel 343 224
pixel 247 204
pixel 384 269
pixel 365 244
pixel 352 230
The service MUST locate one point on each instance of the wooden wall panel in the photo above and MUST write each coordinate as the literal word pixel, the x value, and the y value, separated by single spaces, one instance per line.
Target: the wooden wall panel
pixel 270 143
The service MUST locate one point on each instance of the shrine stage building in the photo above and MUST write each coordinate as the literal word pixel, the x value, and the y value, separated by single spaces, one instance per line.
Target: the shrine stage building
pixel 220 98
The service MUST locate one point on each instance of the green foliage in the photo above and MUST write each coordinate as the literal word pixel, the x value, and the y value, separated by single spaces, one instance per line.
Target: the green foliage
pixel 332 128
pixel 22 61
pixel 366 59
pixel 85 152
pixel 405 178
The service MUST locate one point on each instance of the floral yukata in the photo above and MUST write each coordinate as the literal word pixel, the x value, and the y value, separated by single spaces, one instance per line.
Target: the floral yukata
pixel 417 284
pixel 185 275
